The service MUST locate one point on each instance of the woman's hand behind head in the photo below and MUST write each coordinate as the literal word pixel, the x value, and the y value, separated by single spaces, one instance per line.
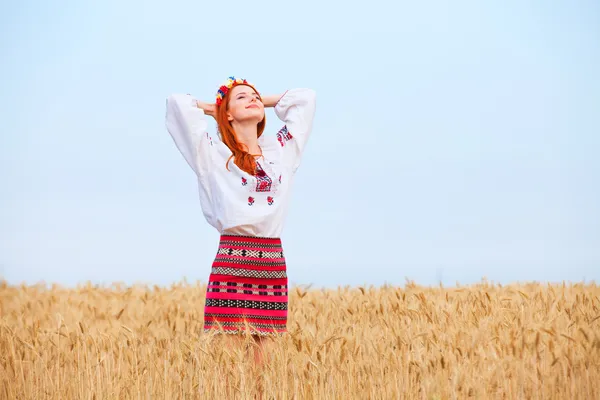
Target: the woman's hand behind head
pixel 209 109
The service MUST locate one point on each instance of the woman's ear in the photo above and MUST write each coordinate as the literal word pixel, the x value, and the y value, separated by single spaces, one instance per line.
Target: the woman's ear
pixel 229 117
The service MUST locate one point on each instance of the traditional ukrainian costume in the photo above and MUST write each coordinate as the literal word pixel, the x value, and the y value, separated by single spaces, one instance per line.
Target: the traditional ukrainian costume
pixel 248 284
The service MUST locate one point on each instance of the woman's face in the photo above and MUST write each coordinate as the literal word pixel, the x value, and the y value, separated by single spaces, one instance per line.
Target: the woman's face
pixel 245 105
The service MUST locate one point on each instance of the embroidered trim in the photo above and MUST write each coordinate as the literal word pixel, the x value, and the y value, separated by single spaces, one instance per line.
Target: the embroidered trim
pixel 246 285
pixel 249 253
pixel 249 273
pixel 284 135
pixel 251 243
pixel 247 291
pixel 234 262
pixel 242 324
pixel 246 316
pixel 240 238
pixel 263 181
pixel 258 305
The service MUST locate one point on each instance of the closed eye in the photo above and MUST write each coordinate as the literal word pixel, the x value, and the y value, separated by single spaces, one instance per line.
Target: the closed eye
pixel 243 95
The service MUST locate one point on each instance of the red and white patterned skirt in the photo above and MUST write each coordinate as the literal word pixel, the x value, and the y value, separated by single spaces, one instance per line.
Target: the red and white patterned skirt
pixel 248 287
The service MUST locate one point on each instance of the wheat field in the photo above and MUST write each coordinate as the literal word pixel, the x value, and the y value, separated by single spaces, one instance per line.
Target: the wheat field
pixel 527 341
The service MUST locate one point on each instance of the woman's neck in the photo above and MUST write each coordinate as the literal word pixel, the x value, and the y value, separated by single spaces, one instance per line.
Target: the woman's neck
pixel 247 134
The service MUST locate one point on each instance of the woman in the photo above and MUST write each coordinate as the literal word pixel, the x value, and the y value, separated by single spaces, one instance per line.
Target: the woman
pixel 244 179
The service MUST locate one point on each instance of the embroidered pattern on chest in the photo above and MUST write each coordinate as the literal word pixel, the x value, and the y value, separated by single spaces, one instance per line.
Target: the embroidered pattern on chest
pixel 284 135
pixel 263 181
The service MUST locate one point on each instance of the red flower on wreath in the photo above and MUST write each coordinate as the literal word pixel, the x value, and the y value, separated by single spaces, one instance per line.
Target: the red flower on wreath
pixel 250 200
pixel 270 200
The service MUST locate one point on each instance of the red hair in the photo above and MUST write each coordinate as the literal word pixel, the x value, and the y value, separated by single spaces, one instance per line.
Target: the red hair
pixel 244 160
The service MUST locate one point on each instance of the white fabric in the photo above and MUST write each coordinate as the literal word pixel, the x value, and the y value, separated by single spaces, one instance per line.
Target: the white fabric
pixel 229 199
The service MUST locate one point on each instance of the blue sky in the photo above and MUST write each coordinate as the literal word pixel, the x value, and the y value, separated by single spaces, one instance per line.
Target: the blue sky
pixel 452 141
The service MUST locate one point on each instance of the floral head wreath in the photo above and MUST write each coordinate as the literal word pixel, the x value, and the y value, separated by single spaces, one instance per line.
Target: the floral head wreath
pixel 228 85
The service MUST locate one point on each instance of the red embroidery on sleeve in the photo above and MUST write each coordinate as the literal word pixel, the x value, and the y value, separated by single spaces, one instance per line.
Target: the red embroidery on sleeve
pixel 284 135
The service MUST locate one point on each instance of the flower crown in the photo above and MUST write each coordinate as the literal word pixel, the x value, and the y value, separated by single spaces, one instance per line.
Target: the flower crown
pixel 231 82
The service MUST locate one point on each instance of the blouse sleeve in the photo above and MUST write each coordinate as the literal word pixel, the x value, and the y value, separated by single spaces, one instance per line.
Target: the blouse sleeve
pixel 187 125
pixel 297 109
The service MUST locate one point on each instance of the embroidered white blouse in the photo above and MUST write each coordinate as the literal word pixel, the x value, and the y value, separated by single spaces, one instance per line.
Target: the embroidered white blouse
pixel 235 202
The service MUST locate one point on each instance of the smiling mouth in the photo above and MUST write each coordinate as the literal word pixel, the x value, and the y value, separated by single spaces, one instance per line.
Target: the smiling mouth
pixel 253 106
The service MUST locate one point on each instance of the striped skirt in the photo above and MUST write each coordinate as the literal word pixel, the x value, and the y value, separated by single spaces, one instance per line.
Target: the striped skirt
pixel 248 287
